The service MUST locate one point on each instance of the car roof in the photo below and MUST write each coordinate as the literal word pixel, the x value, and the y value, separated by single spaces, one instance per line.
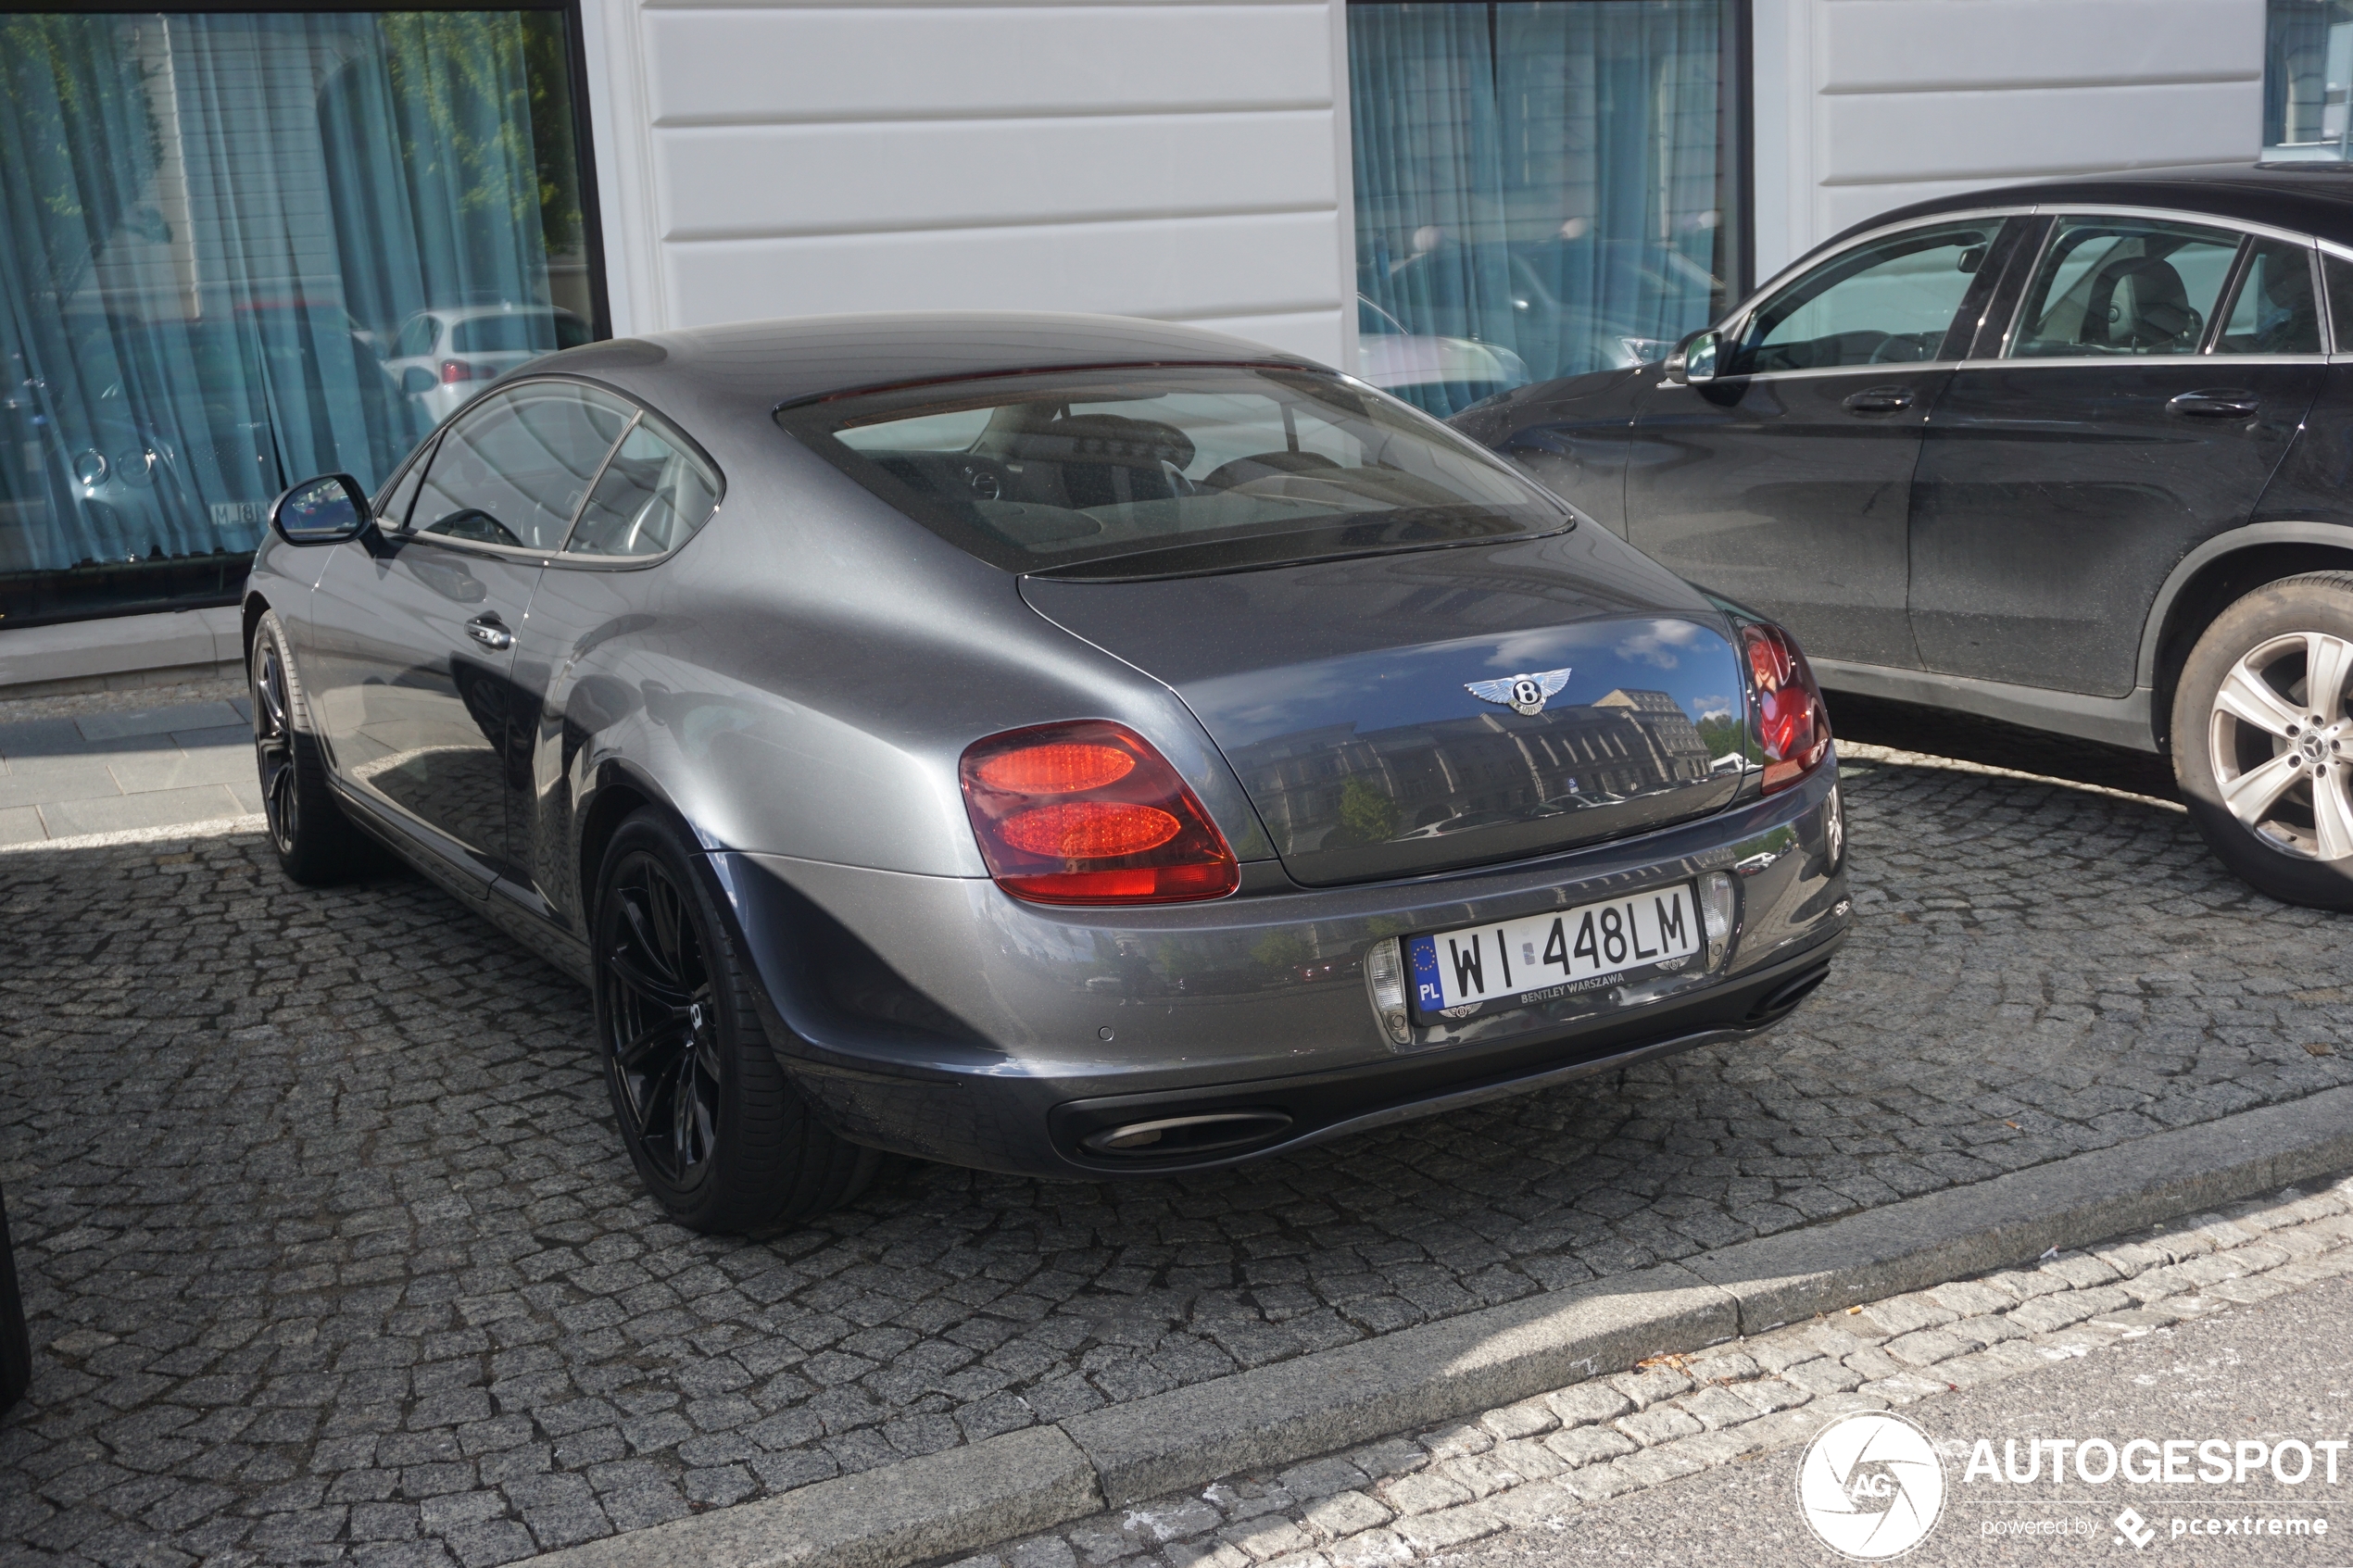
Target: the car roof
pixel 2310 198
pixel 754 367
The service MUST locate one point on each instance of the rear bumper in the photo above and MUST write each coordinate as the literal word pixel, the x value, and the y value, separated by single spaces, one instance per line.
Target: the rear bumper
pixel 936 1017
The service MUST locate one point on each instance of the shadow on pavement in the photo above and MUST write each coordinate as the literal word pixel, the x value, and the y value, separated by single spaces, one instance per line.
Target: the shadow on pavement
pixel 1877 721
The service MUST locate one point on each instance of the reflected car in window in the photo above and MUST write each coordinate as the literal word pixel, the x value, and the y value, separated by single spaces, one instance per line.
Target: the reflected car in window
pixel 2068 454
pixel 1435 374
pixel 1052 744
pixel 442 356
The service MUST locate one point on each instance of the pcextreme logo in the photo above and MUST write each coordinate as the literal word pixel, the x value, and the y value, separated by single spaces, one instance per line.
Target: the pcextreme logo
pixel 1871 1486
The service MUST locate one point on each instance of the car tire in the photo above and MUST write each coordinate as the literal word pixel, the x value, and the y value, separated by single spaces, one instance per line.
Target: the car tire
pixel 2264 761
pixel 720 1136
pixel 317 845
pixel 16 1344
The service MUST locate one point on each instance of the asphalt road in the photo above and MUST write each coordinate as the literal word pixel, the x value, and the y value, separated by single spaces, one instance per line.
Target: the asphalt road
pixel 2278 1370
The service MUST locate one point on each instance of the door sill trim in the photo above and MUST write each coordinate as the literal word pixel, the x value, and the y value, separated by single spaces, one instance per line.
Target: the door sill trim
pixel 2112 721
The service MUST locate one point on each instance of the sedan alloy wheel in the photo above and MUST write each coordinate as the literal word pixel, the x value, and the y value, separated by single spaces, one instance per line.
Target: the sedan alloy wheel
pixel 2262 738
pixel 2280 744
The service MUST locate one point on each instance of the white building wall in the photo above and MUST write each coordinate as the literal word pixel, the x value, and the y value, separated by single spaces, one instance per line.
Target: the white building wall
pixel 1865 104
pixel 1180 161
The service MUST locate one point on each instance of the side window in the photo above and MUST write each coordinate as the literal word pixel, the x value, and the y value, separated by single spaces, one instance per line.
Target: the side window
pixel 513 469
pixel 395 511
pixel 2274 311
pixel 1887 303
pixel 416 338
pixel 2338 272
pixel 2123 286
pixel 649 500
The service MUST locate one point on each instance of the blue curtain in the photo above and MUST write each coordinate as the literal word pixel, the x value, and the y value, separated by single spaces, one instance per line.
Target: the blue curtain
pixel 1542 189
pixel 211 227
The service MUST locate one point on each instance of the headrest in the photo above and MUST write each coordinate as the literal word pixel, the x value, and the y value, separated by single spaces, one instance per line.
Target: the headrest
pixel 2138 302
pixel 1109 438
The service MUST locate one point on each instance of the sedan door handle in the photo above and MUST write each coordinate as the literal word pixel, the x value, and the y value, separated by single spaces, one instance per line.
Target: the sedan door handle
pixel 1881 399
pixel 2217 403
pixel 486 630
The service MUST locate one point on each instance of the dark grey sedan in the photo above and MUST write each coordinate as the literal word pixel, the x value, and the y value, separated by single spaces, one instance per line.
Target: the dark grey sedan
pixel 1056 745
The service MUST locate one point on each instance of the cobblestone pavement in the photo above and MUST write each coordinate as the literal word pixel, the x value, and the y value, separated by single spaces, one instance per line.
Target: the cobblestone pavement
pixel 1533 1465
pixel 333 1254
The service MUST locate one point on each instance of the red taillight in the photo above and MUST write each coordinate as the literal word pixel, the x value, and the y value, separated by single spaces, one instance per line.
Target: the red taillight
pixel 1791 723
pixel 455 370
pixel 1089 813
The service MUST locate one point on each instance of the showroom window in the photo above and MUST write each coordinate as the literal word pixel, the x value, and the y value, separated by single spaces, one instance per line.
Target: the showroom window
pixel 241 247
pixel 1543 188
pixel 2307 71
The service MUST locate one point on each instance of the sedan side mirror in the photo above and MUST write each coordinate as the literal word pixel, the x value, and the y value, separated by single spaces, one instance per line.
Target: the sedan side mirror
pixel 326 510
pixel 1694 360
pixel 416 381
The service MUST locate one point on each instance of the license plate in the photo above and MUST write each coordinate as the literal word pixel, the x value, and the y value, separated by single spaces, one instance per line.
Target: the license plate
pixel 238 514
pixel 1578 950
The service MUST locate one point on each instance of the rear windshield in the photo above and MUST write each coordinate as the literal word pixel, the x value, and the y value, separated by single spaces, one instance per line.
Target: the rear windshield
pixel 1163 470
pixel 537 331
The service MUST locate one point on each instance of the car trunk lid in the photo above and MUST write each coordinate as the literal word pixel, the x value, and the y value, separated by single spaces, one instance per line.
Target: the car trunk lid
pixel 1368 708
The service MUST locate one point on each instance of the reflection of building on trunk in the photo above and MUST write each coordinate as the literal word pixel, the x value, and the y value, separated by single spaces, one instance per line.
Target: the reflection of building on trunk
pixel 1459 775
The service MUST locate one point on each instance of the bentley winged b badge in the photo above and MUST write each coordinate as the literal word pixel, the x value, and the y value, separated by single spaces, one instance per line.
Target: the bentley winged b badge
pixel 1523 694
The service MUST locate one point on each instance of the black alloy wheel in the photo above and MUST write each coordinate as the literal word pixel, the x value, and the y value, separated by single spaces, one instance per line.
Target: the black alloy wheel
pixel 720 1136
pixel 664 1038
pixel 2263 738
pixel 316 843
pixel 274 745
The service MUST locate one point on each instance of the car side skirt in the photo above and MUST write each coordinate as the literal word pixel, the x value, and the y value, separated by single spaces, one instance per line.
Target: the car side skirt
pixel 2113 720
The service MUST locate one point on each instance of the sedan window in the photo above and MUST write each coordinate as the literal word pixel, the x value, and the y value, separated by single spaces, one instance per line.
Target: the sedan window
pixel 2123 286
pixel 1889 302
pixel 2274 311
pixel 512 470
pixel 650 499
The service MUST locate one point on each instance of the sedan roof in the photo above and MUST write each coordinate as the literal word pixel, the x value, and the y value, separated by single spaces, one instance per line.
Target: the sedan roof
pixel 2310 198
pixel 762 365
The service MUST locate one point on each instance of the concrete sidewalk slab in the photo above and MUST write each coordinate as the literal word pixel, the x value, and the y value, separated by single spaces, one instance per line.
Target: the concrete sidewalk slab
pixel 1297 1409
pixel 113 770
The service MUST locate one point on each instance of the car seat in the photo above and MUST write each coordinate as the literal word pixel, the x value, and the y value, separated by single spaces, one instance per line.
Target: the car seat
pixel 2137 304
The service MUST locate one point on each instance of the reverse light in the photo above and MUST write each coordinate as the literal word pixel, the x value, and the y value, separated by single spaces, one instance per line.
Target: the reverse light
pixel 1088 813
pixel 1718 908
pixel 1792 726
pixel 1384 981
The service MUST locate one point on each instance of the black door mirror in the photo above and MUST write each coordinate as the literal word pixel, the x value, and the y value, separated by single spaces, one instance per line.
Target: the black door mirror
pixel 416 381
pixel 1693 363
pixel 326 510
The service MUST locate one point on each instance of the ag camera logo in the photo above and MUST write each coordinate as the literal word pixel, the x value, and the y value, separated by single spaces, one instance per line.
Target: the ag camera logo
pixel 1871 1486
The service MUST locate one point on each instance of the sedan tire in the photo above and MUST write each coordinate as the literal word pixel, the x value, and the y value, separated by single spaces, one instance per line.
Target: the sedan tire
pixel 2263 738
pixel 316 843
pixel 719 1135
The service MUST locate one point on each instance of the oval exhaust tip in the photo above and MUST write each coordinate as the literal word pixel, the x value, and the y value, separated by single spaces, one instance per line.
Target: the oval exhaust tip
pixel 1205 1134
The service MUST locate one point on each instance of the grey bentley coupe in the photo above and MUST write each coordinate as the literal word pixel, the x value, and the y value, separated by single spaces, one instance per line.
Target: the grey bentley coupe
pixel 1057 745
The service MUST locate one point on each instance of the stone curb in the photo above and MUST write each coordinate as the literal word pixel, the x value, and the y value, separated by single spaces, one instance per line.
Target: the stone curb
pixel 1023 1482
pixel 216 827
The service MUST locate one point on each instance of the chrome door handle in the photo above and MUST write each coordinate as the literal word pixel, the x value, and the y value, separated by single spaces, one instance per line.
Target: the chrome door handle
pixel 2217 403
pixel 1881 399
pixel 486 630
